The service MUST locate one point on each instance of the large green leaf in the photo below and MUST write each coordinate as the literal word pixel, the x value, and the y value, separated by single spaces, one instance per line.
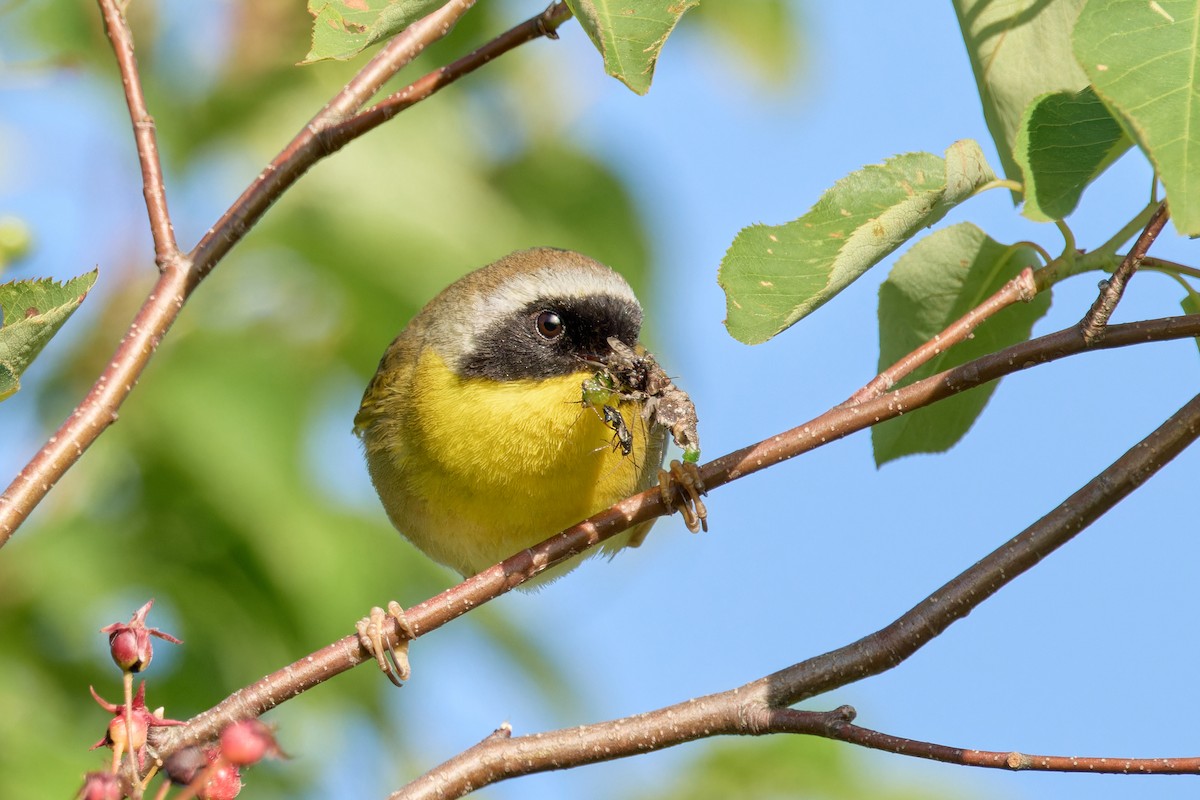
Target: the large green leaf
pixel 630 35
pixel 31 312
pixel 1019 50
pixel 1144 61
pixel 344 28
pixel 1066 140
pixel 940 279
pixel 774 275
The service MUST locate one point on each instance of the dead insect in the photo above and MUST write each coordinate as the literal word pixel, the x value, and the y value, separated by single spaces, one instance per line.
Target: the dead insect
pixel 635 374
pixel 623 437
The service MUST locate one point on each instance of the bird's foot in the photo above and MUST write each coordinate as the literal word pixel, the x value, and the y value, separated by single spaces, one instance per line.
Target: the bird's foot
pixel 392 658
pixel 682 488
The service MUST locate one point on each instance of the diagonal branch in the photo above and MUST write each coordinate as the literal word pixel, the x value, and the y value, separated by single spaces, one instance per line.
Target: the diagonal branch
pixel 544 24
pixel 755 708
pixel 306 148
pixel 1094 321
pixel 346 653
pixel 153 186
pixel 180 276
pixel 838 724
pixel 1022 288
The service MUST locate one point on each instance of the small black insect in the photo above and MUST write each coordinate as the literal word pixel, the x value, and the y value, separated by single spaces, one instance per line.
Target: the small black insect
pixel 623 437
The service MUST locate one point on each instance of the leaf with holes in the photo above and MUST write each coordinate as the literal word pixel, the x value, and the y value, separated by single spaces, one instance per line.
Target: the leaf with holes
pixel 774 275
pixel 31 312
pixel 630 35
pixel 344 28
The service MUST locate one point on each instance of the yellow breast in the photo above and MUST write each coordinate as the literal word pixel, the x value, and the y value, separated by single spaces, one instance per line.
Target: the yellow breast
pixel 484 468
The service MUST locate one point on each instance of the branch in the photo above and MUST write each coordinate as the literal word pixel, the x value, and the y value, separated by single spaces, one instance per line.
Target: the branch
pixel 1094 321
pixel 1021 288
pixel 755 708
pixel 435 612
pixel 306 148
pixel 179 276
pixel 544 24
pixel 838 724
pixel 153 186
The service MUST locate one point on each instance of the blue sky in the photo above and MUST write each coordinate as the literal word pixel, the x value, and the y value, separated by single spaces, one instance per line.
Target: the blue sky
pixel 1089 654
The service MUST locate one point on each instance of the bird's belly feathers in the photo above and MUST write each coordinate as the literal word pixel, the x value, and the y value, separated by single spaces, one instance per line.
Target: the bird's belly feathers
pixel 489 468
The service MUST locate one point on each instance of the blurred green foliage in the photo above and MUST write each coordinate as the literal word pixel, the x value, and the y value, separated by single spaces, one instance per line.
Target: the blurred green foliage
pixel 214 494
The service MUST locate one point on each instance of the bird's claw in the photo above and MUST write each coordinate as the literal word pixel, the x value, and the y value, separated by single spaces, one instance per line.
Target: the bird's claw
pixel 682 488
pixel 392 658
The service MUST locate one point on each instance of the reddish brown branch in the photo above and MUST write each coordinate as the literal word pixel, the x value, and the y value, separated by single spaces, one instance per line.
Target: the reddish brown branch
pixel 180 276
pixel 307 147
pixel 825 671
pixel 1022 288
pixel 153 186
pixel 544 24
pixel 1094 321
pixel 838 724
pixel 98 409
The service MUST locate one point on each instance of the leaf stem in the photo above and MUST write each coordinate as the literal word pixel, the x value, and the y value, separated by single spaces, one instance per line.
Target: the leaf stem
pixel 1131 228
pixel 1000 183
pixel 1170 267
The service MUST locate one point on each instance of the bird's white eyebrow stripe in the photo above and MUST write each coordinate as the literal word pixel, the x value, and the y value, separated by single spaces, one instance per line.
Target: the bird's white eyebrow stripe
pixel 519 291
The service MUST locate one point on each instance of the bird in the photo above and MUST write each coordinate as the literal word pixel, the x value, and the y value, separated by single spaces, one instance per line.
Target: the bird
pixel 475 427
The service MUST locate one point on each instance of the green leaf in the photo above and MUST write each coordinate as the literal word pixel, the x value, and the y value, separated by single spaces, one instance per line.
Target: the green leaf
pixel 936 282
pixel 31 312
pixel 630 35
pixel 775 275
pixel 1018 51
pixel 344 28
pixel 1143 59
pixel 1066 140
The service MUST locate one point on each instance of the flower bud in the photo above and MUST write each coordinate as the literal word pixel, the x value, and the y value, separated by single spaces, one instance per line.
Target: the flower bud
pixel 100 786
pixel 129 643
pixel 248 742
pixel 224 782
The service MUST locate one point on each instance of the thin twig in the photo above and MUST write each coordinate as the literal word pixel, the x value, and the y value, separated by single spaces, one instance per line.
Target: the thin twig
pixel 838 724
pixel 544 24
pixel 1094 321
pixel 1022 288
pixel 307 147
pixel 346 653
pixel 166 250
pixel 755 708
pixel 179 277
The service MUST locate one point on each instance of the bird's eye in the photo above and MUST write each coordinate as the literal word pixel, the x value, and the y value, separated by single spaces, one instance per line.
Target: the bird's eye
pixel 549 325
